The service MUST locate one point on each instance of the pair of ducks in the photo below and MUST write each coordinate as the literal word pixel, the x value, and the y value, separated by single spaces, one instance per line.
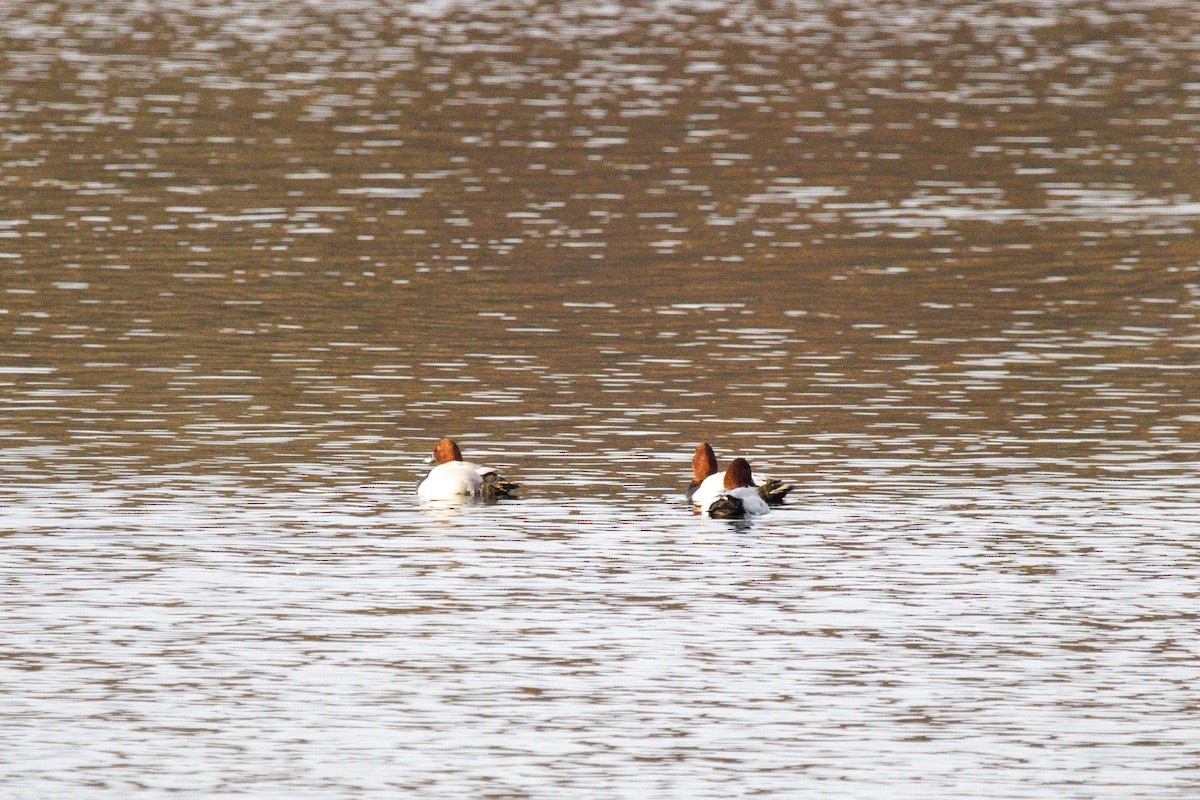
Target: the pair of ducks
pixel 730 495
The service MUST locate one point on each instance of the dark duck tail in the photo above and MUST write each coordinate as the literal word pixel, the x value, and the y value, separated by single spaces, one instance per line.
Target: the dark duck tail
pixel 773 491
pixel 497 487
pixel 727 507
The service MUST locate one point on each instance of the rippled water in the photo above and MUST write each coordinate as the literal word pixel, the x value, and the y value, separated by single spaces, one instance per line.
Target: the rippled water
pixel 936 264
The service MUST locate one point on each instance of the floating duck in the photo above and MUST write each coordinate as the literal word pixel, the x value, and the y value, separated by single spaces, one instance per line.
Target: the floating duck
pixel 710 481
pixel 739 496
pixel 454 478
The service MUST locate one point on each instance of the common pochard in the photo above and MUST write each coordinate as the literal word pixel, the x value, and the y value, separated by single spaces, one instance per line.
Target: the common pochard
pixel 454 478
pixel 710 481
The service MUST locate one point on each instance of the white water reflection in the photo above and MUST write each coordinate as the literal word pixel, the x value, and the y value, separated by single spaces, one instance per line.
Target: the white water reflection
pixel 308 642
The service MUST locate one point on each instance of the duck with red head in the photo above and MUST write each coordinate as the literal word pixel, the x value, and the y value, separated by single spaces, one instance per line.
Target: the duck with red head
pixel 739 496
pixel 446 451
pixel 454 478
pixel 709 482
pixel 707 479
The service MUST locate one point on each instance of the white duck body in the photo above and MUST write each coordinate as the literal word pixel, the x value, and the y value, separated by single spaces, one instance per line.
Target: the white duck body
pixel 452 479
pixel 709 489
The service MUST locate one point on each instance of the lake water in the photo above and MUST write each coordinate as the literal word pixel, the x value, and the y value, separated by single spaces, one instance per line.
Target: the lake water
pixel 935 264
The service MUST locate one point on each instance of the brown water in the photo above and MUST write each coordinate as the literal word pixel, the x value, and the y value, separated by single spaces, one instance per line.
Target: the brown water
pixel 937 266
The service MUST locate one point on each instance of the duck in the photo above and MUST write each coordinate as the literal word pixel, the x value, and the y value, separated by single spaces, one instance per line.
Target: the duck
pixel 454 478
pixel 710 482
pixel 739 496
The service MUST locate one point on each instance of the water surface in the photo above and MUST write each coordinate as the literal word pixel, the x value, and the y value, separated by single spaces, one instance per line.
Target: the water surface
pixel 937 266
